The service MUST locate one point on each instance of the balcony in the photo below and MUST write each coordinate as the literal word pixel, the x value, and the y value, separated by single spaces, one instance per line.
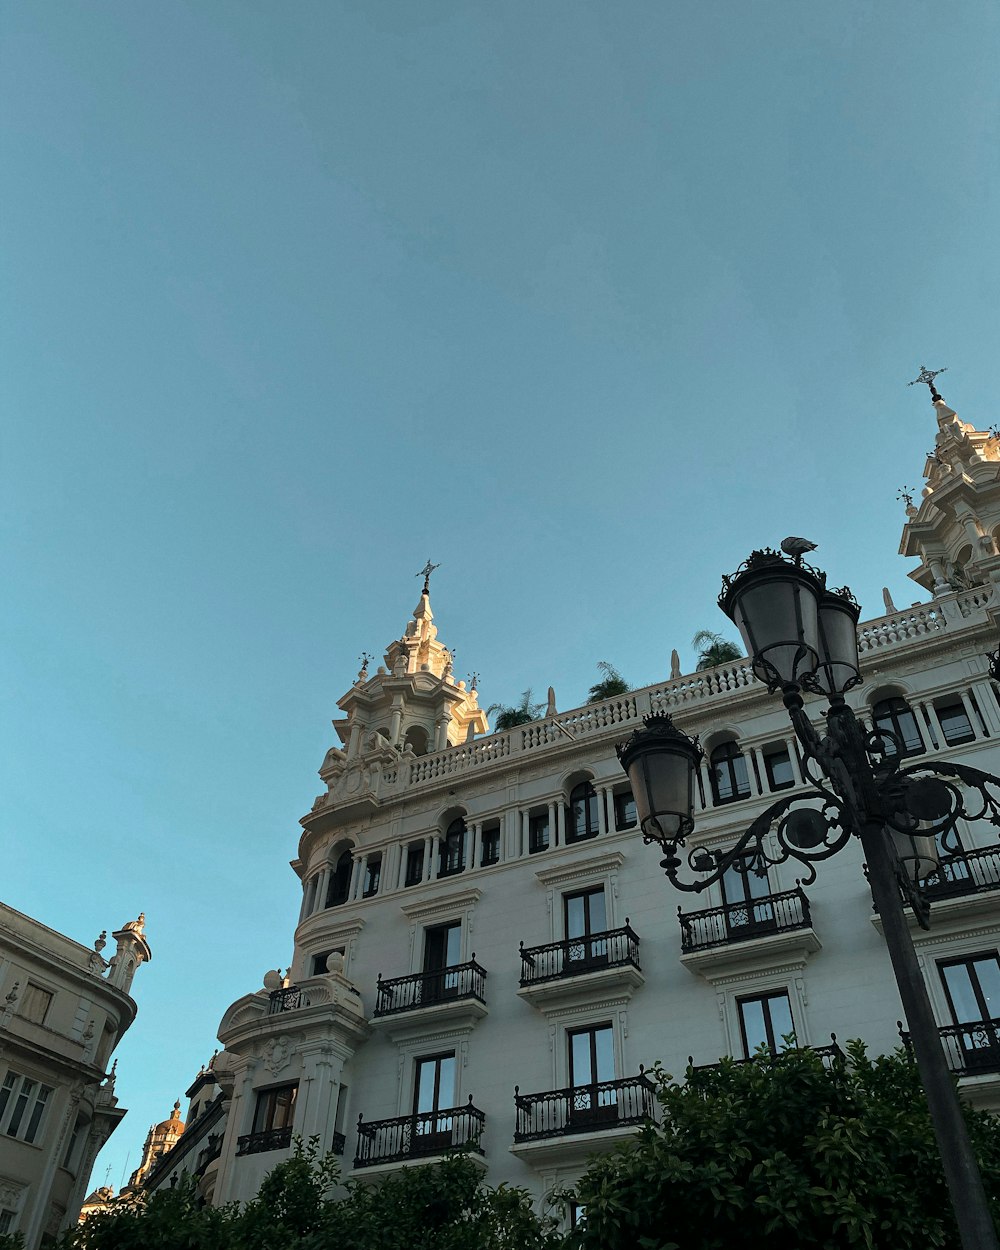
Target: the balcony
pixel 574 968
pixel 826 1053
pixel 404 1006
pixel 972 1048
pixel 419 1137
pixel 775 926
pixel 564 1124
pixel 338 1144
pixel 269 1139
pixel 289 999
pixel 968 872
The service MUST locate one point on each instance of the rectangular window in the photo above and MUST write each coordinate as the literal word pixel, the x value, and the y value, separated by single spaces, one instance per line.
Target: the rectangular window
pixel 538 833
pixel 955 724
pixel 433 1091
pixel 373 872
pixel 745 894
pixel 491 846
pixel 765 1020
pixel 7 1217
pixel 442 950
pixel 592 1064
pixel 778 765
pixel 626 816
pixel 414 864
pixel 275 1108
pixel 585 916
pixel 452 851
pixel 34 1004
pixel 22 1105
pixel 319 961
pixel 972 986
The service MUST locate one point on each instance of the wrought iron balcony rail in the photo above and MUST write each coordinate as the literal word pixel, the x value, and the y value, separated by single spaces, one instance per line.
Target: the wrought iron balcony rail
pixel 291 998
pixel 269 1139
pixel 338 1143
pixel 584 1108
pixel 971 1048
pixel 740 922
pixel 577 956
pixel 827 1053
pixel 425 989
pixel 417 1136
pixel 965 872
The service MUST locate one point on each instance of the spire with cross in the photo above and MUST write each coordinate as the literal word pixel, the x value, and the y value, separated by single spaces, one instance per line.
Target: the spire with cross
pixel 927 376
pixel 425 573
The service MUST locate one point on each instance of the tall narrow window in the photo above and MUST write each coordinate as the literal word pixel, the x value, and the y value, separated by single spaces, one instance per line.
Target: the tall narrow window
pixel 538 833
pixel 273 1116
pixel 746 896
pixel 625 811
pixel 453 849
pixel 414 864
pixel 955 723
pixel 591 1066
pixel 491 845
pixel 586 917
pixel 442 950
pixel 973 989
pixel 730 780
pixel 765 1020
pixel 433 1093
pixel 340 881
pixel 373 874
pixel 582 813
pixel 894 716
pixel 778 766
pixel 34 1004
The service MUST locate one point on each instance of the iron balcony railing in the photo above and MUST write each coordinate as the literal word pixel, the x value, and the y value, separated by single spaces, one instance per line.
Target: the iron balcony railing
pixel 827 1053
pixel 739 922
pixel 417 1136
pixel 269 1139
pixel 288 999
pixel 576 956
pixel 584 1108
pixel 425 989
pixel 966 872
pixel 971 1048
pixel 338 1144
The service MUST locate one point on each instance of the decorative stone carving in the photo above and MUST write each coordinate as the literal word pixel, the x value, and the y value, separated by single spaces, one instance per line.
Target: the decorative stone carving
pixel 275 1055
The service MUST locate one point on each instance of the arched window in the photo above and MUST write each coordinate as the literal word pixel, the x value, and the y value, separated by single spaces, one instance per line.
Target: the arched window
pixel 340 881
pixel 730 779
pixel 453 848
pixel 416 739
pixel 895 717
pixel 581 814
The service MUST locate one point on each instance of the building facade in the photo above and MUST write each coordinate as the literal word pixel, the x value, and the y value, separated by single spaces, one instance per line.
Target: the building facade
pixel 63 1010
pixel 487 954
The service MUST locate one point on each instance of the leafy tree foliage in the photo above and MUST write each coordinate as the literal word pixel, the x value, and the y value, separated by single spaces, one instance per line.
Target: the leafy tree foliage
pixel 713 649
pixel 609 685
pixel 522 712
pixel 784 1153
pixel 444 1206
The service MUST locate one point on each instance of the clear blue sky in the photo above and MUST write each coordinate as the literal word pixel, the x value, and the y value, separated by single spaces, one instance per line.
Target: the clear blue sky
pixel 582 300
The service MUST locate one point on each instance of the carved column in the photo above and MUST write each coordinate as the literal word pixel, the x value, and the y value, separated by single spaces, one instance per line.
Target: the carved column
pixel 932 716
pixel 475 840
pixel 970 711
pixel 793 759
pixel 757 771
pixel 605 810
pixel 553 826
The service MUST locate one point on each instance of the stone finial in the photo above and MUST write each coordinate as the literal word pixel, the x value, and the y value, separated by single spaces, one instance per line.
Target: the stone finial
pixel 550 706
pixel 101 941
pixel 273 980
pixel 675 664
pixel 887 600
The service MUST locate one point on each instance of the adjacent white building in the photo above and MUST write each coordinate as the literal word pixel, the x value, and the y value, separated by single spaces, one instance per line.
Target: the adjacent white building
pixel 487 952
pixel 63 1010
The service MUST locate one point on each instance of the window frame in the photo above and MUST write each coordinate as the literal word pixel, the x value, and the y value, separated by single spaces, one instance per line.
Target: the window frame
pixel 893 708
pixel 24 1101
pixel 771 752
pixel 955 705
pixel 764 996
pixel 538 822
pixel 338 890
pixel 492 834
pixel 415 854
pixel 451 849
pixel 582 793
pixel 725 756
pixel 620 800
pixel 269 1098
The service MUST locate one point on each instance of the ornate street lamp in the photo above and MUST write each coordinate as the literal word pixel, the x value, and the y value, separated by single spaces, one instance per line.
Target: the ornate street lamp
pixel 802 636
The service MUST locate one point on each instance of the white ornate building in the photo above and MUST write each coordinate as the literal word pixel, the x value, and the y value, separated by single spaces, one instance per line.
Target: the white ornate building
pixel 63 1010
pixel 487 953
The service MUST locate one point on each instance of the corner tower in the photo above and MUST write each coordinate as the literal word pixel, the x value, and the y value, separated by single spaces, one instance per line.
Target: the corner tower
pixel 955 531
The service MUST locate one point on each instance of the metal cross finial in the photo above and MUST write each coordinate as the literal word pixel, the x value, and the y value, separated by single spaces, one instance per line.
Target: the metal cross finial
pixel 927 376
pixel 905 495
pixel 425 573
pixel 473 681
pixel 364 657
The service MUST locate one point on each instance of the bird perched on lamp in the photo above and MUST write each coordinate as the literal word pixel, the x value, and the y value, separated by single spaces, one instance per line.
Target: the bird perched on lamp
pixel 797 548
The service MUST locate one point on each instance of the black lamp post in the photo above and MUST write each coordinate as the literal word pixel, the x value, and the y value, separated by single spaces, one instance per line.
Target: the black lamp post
pixel 802 636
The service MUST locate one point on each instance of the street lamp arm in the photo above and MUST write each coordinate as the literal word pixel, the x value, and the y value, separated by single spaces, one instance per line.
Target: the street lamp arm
pixel 792 828
pixel 985 785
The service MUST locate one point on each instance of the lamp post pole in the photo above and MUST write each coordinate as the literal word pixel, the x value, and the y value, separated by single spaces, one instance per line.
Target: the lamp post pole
pixel 801 635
